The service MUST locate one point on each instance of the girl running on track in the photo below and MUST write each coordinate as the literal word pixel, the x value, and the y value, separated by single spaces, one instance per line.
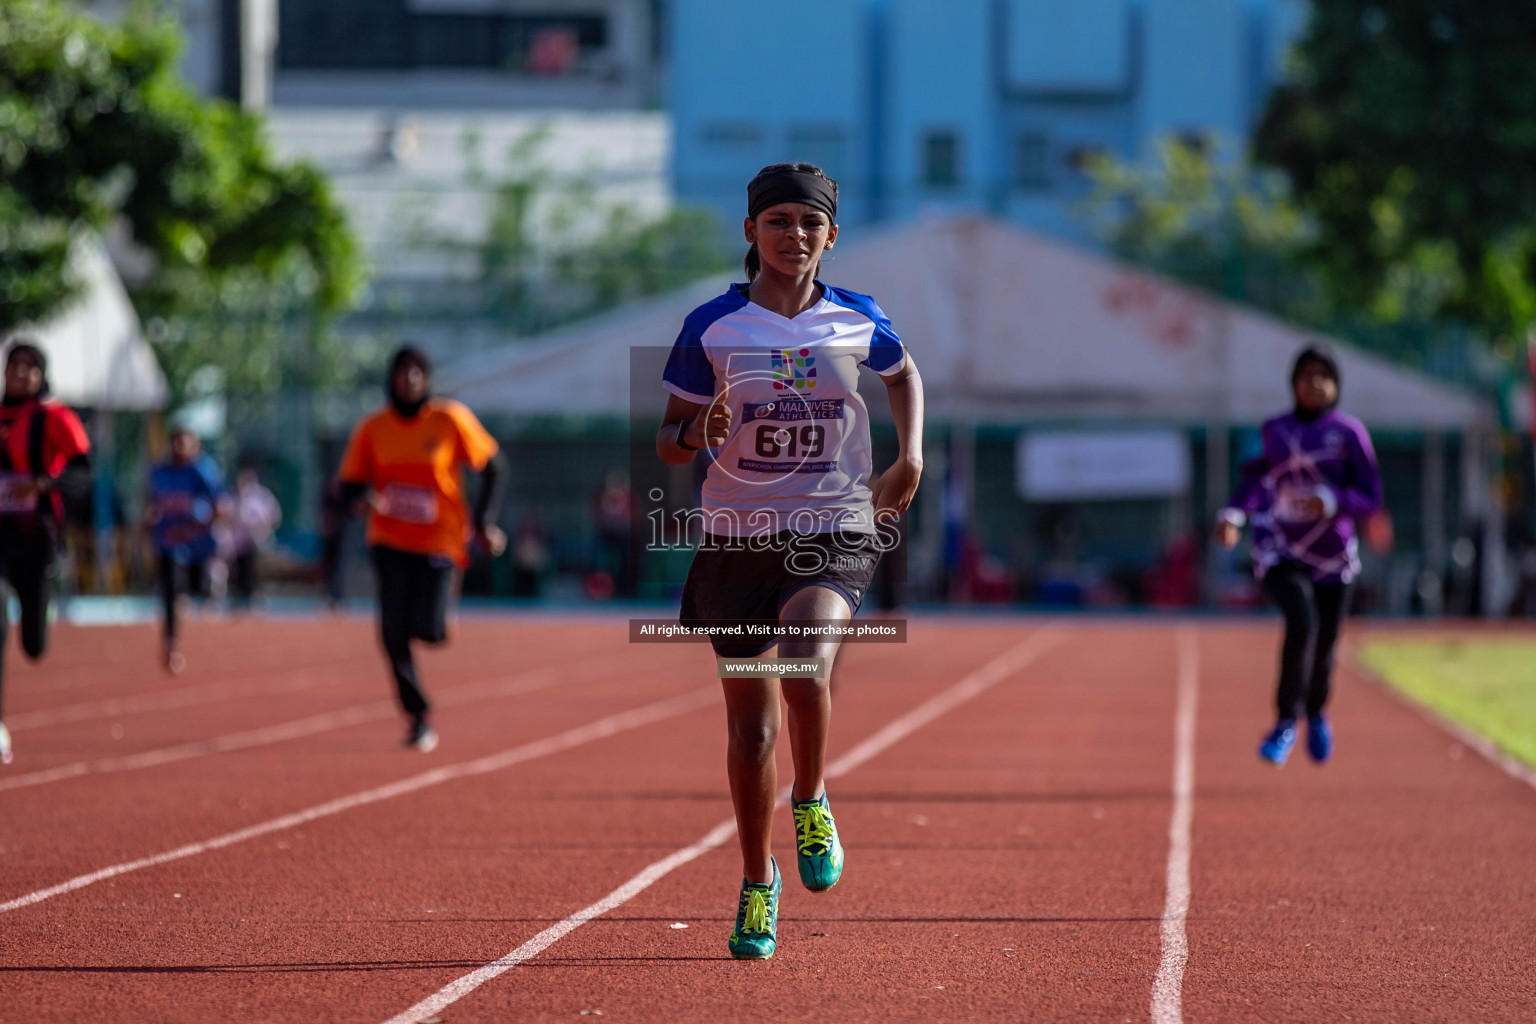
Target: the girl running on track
pixel 765 377
pixel 1315 479
pixel 44 459
pixel 184 494
pixel 408 459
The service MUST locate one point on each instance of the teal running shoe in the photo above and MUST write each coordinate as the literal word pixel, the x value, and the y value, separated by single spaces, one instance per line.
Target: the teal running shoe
pixel 819 851
pixel 756 935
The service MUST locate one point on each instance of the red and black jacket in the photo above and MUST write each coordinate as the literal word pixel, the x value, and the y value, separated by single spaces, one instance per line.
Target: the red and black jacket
pixel 41 439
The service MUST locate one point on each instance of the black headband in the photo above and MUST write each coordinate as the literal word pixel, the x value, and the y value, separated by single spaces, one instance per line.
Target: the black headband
pixel 791 187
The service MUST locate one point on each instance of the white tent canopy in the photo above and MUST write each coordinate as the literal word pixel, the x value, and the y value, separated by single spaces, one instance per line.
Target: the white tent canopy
pixel 1007 327
pixel 97 356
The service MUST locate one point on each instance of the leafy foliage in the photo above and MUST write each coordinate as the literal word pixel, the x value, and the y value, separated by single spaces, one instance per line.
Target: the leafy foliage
pixel 554 250
pixel 1240 231
pixel 1410 135
pixel 1220 226
pixel 97 131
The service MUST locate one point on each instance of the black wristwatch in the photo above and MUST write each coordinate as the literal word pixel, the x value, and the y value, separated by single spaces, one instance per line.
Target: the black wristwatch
pixel 682 428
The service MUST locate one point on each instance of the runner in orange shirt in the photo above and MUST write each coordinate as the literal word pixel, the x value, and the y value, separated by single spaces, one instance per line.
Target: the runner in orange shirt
pixel 408 459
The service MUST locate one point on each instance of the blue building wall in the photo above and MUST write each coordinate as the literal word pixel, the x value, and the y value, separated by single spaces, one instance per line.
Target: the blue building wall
pixel 758 85
pixel 922 106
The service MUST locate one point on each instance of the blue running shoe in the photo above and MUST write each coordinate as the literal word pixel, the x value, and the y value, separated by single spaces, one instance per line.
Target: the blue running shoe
pixel 756 935
pixel 1319 738
pixel 818 850
pixel 1278 744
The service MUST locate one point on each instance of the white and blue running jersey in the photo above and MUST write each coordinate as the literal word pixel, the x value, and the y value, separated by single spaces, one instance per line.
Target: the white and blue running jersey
pixel 798 456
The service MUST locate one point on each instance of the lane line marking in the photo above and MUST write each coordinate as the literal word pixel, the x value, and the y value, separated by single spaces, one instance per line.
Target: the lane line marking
pixel 1168 986
pixel 187 696
pixel 202 693
pixel 374 711
pixel 993 672
pixel 602 728
pixel 83 677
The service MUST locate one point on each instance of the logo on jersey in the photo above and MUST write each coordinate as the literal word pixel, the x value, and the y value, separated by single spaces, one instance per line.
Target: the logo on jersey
pixel 792 371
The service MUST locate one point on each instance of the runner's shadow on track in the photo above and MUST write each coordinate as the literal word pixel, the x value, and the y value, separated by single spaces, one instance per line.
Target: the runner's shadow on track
pixel 624 795
pixel 274 968
pixel 854 796
pixel 966 919
pixel 1016 797
pixel 609 961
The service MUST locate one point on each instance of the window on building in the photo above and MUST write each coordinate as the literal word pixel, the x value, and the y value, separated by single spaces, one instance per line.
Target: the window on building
pixel 334 34
pixel 731 135
pixel 824 145
pixel 1079 47
pixel 1080 158
pixel 941 158
pixel 459 41
pixel 1198 141
pixel 354 34
pixel 1031 161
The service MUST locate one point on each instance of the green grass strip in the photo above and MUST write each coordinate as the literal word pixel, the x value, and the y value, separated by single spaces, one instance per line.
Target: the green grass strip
pixel 1489 686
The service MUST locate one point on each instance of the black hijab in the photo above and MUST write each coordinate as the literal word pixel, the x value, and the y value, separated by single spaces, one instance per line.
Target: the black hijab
pixel 407 354
pixel 28 348
pixel 1322 356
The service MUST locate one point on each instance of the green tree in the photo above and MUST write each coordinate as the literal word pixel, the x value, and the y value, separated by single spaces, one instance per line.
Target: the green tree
pixel 1409 132
pixel 553 250
pixel 96 130
pixel 1221 226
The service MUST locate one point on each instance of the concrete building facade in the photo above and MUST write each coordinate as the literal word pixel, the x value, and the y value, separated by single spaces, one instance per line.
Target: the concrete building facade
pixel 968 105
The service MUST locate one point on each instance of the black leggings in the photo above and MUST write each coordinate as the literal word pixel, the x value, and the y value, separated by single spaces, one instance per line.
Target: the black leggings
pixel 414 593
pixel 30 574
pixel 1314 614
pixel 172 573
pixel 242 578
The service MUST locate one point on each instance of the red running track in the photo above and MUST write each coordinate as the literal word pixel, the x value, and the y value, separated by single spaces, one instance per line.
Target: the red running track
pixel 1008 854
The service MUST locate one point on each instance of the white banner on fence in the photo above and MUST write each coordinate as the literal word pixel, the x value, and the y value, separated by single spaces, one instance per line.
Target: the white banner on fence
pixel 1102 465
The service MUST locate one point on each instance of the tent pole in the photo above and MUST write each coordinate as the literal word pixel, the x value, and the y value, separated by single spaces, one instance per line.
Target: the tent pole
pixel 1217 460
pixel 1433 499
pixel 928 566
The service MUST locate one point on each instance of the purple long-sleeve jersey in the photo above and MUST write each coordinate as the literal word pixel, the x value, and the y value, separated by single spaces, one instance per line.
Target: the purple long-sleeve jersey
pixel 1329 458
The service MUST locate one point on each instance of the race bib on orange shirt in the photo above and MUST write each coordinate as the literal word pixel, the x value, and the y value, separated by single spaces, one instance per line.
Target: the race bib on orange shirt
pixel 408 504
pixel 18 494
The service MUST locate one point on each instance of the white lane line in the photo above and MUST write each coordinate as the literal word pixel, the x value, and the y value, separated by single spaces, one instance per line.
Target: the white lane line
pixel 83 677
pixel 188 696
pixel 599 729
pixel 313 725
pixel 995 671
pixel 1168 986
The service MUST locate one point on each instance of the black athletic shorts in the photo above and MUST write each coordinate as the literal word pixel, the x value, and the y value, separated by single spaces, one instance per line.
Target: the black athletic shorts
pixel 735 581
pixel 415 592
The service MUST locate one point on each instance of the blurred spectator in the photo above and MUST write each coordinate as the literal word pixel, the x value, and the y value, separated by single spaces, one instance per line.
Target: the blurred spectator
pixel 1175 581
pixel 253 516
pixel 333 532
pixel 614 508
pixel 1524 601
pixel 552 51
pixel 530 558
